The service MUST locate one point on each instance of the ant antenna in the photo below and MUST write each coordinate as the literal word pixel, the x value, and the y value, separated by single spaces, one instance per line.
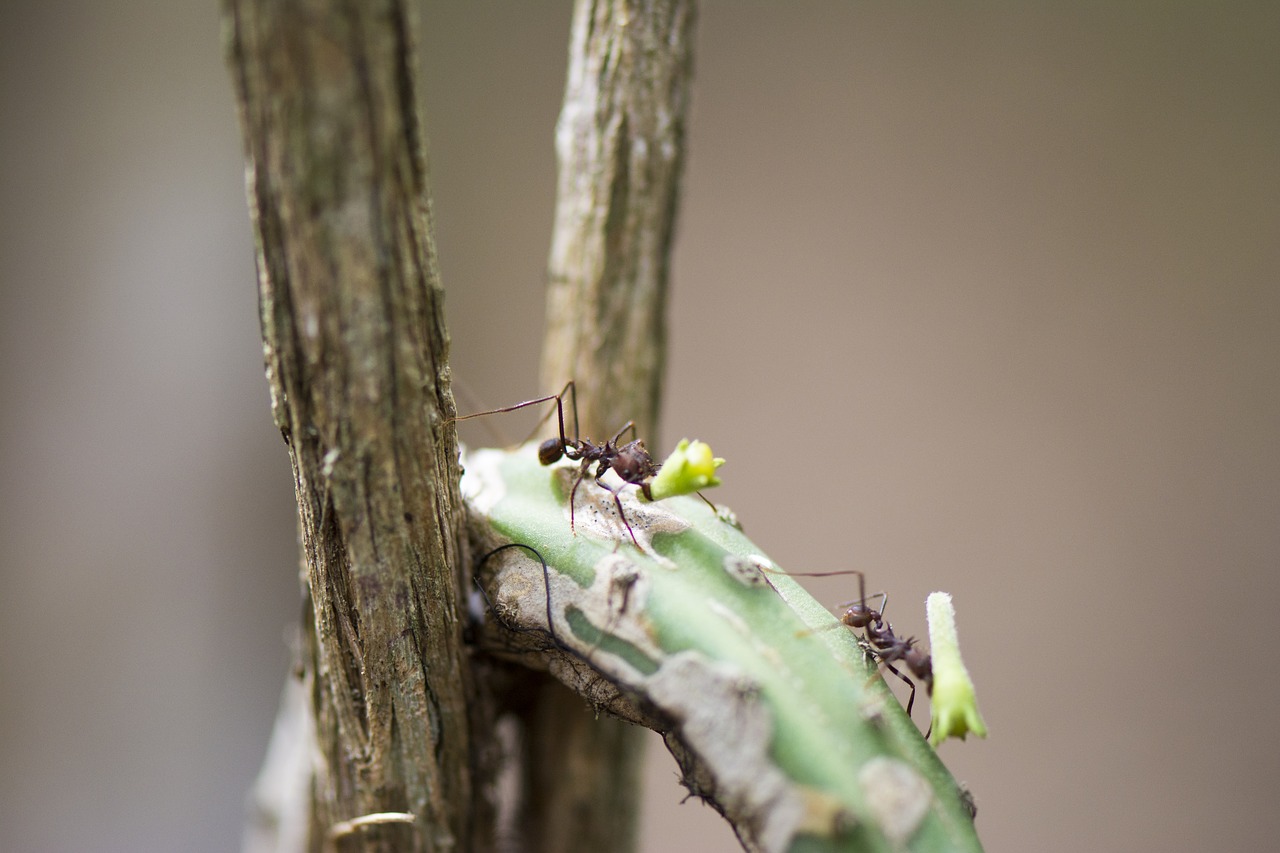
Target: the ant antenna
pixel 463 391
pixel 569 387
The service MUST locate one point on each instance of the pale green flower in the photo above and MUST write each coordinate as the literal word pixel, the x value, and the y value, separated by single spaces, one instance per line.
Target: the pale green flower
pixel 955 708
pixel 688 469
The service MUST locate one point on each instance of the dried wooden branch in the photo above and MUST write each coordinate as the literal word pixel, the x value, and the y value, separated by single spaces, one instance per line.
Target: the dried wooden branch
pixel 620 142
pixel 356 355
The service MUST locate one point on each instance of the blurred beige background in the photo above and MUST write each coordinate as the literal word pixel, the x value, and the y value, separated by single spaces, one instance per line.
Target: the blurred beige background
pixel 986 301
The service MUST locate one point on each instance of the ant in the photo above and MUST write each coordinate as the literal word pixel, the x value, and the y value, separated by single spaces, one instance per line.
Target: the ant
pixel 630 461
pixel 886 646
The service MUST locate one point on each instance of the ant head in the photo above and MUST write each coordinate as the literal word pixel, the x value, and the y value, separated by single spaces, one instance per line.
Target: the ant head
pixel 550 451
pixel 860 616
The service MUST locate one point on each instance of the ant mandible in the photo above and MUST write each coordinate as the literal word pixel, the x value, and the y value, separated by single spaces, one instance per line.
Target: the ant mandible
pixel 631 461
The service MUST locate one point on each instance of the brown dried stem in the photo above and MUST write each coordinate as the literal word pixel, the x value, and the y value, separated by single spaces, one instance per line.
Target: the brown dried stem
pixel 620 142
pixel 356 355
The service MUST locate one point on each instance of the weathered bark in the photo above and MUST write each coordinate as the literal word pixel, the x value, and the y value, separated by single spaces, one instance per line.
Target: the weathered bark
pixel 620 142
pixel 356 355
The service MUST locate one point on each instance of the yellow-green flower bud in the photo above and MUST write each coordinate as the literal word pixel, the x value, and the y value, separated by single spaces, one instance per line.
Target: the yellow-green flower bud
pixel 688 469
pixel 955 708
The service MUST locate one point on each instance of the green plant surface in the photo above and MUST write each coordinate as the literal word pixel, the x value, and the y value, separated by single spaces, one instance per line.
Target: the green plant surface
pixel 773 708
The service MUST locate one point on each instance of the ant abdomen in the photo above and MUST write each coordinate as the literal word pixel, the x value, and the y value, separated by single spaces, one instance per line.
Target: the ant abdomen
pixel 550 451
pixel 921 664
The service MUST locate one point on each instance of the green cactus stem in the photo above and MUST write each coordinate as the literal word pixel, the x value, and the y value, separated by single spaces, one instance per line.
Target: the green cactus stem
pixel 773 709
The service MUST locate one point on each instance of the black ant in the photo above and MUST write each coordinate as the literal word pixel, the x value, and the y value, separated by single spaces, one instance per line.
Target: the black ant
pixel 630 461
pixel 886 646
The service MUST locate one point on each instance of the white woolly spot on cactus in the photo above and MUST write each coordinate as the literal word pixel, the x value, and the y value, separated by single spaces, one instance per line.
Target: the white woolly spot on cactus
pixel 748 571
pixel 482 483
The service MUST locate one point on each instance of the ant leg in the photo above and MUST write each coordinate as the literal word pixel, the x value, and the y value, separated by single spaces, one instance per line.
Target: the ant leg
pixel 568 387
pixel 707 502
pixel 535 401
pixel 862 579
pixel 517 407
pixel 463 392
pixel 571 389
pixel 831 574
pixel 559 398
pixel 911 700
pixel 862 590
pixel 617 500
pixel 629 425
pixel 582 472
pixel 880 595
pixel 862 593
pixel 622 515
pixel 809 632
pixel 560 412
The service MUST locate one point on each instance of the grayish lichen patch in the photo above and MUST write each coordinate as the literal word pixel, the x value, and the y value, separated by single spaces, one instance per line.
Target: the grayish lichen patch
pixel 872 708
pixel 613 604
pixel 897 796
pixel 722 719
pixel 627 588
pixel 596 514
